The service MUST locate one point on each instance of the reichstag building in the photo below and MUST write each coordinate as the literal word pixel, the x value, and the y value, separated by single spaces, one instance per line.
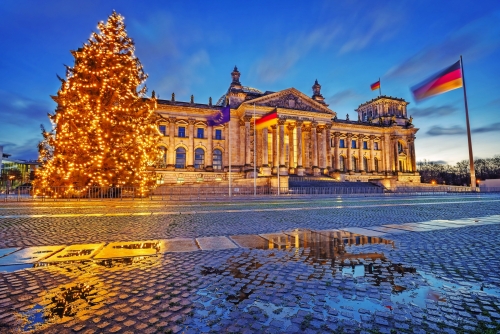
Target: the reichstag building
pixel 306 139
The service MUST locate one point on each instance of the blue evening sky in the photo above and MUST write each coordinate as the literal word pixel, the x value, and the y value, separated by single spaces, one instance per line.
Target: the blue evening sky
pixel 190 47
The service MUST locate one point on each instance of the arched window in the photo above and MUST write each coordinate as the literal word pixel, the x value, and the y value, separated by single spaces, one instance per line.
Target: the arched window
pixel 354 164
pixel 180 157
pixel 400 147
pixel 199 158
pixel 217 163
pixel 163 157
pixel 376 164
pixel 342 163
pixel 365 164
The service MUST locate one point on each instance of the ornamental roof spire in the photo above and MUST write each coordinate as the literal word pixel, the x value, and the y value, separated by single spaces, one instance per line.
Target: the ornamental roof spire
pixel 317 92
pixel 235 74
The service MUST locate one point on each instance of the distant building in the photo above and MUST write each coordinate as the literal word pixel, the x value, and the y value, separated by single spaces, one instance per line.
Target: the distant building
pixel 308 139
pixel 14 172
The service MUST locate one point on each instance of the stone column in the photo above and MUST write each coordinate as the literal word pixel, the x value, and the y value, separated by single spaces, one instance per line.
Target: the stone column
pixel 275 151
pixel 336 154
pixel 171 144
pixel 248 156
pixel 190 152
pixel 349 157
pixel 266 169
pixel 360 153
pixel 328 142
pixel 306 130
pixel 396 153
pixel 282 167
pixel 210 149
pixel 314 139
pixel 320 132
pixel 291 146
pixel 411 145
pixel 372 156
pixel 387 153
pixel 300 163
pixel 241 142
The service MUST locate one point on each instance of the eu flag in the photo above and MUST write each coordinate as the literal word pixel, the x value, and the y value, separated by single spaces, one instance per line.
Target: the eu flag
pixel 222 116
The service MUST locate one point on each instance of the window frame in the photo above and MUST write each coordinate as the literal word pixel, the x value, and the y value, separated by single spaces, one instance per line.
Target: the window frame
pixel 198 131
pixel 214 155
pixel 216 136
pixel 183 132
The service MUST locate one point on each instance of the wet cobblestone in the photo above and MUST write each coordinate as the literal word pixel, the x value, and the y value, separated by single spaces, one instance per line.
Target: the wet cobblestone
pixel 261 291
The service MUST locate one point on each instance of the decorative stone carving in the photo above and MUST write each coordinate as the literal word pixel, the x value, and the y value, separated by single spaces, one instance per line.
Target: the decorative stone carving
pixel 291 101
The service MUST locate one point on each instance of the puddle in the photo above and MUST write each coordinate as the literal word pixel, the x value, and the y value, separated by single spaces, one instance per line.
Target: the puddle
pixel 67 303
pixel 126 261
pixel 333 275
pixel 129 249
pixel 75 253
pixel 34 317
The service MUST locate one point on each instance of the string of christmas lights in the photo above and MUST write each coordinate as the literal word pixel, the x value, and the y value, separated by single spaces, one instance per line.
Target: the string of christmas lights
pixel 105 130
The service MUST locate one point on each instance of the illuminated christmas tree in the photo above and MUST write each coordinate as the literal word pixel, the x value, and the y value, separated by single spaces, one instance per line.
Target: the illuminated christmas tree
pixel 105 131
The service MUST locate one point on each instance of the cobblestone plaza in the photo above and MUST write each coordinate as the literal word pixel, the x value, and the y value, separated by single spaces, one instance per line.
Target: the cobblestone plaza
pixel 376 264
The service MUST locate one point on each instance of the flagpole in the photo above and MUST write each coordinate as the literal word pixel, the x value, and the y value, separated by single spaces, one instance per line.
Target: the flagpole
pixel 471 156
pixel 379 89
pixel 254 155
pixel 229 149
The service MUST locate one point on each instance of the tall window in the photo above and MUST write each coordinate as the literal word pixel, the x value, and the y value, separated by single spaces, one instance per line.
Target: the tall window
pixel 180 158
pixel 218 134
pixel 199 158
pixel 375 145
pixel 354 164
pixel 342 163
pixel 217 163
pixel 181 132
pixel 365 164
pixel 376 165
pixel 353 143
pixel 365 145
pixel 200 133
pixel 163 130
pixel 400 147
pixel 342 143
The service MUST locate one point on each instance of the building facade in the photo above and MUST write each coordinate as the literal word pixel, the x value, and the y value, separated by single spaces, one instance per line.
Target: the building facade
pixel 308 139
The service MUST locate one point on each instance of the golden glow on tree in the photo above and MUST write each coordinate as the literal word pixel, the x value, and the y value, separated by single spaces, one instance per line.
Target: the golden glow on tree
pixel 105 127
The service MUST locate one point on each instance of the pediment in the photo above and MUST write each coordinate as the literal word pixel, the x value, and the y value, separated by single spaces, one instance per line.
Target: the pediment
pixel 290 99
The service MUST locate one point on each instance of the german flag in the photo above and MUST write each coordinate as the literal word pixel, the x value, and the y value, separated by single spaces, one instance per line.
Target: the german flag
pixel 267 120
pixel 375 85
pixel 442 82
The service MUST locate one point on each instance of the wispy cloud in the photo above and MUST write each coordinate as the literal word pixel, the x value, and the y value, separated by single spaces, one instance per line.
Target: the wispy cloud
pixel 437 130
pixel 376 25
pixel 18 110
pixel 185 75
pixel 474 40
pixel 338 35
pixel 494 127
pixel 27 150
pixel 281 59
pixel 342 96
pixel 432 111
